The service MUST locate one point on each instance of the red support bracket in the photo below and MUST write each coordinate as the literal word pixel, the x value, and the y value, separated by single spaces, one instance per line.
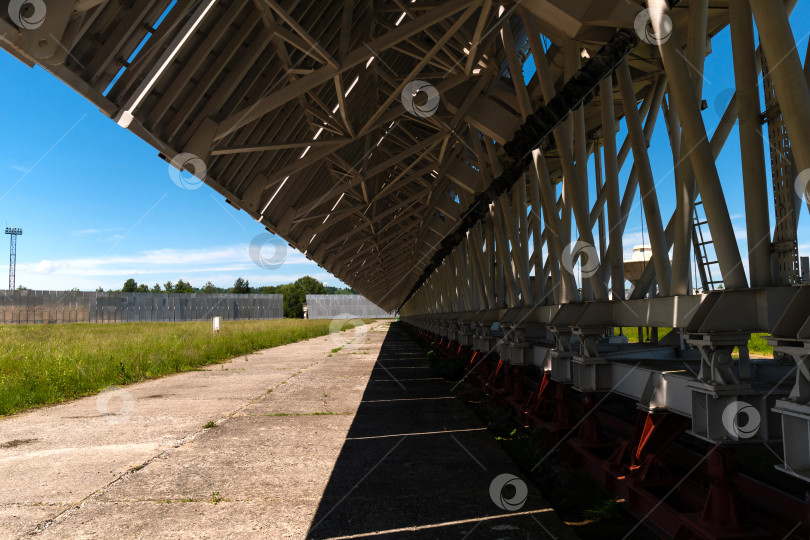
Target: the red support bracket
pixel 555 429
pixel 515 389
pixel 590 432
pixel 539 405
pixel 491 382
pixel 679 499
pixel 722 516
pixel 473 361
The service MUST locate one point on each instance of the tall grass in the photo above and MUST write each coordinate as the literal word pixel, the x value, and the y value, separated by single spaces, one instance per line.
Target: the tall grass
pixel 42 364
pixel 756 345
pixel 631 332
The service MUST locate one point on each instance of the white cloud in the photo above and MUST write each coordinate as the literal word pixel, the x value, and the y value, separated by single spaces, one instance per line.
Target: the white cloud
pixel 219 264
pixel 632 239
pixel 98 232
pixel 86 232
pixel 47 267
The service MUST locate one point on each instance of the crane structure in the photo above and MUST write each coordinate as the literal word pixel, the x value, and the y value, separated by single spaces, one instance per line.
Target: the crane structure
pixel 13 233
pixel 474 164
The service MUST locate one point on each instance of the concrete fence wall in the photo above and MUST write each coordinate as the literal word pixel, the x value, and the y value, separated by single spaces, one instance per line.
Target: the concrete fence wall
pixel 51 307
pixel 332 306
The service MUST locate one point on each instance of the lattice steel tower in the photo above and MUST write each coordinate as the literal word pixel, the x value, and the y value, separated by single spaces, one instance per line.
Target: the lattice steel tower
pixel 12 258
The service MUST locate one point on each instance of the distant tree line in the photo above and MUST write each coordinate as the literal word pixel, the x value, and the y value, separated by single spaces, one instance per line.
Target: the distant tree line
pixel 295 294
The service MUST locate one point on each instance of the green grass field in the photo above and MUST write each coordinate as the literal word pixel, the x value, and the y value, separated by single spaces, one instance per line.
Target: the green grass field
pixel 756 345
pixel 41 364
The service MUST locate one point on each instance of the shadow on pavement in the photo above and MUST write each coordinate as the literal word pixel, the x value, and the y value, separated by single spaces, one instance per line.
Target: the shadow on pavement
pixel 417 463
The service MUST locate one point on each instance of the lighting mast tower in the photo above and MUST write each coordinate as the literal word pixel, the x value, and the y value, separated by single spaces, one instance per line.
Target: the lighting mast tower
pixel 14 232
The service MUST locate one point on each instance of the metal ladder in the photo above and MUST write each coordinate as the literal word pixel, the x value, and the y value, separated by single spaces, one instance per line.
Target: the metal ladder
pixel 786 202
pixel 700 242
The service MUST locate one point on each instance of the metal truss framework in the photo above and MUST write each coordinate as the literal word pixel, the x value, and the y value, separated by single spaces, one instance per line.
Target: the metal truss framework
pixel 296 111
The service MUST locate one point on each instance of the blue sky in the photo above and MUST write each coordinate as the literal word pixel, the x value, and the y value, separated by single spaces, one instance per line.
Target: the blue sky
pixel 98 206
pixel 717 91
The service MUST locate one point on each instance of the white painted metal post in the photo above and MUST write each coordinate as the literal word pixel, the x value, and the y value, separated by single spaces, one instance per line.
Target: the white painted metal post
pixel 649 198
pixel 612 187
pixel 785 69
pixel 685 185
pixel 752 153
pixel 700 155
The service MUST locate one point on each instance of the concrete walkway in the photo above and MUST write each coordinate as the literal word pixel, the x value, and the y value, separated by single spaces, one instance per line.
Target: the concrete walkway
pixel 360 443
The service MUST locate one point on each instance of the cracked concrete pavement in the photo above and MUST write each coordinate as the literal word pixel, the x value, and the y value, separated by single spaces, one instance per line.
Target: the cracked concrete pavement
pixel 308 443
